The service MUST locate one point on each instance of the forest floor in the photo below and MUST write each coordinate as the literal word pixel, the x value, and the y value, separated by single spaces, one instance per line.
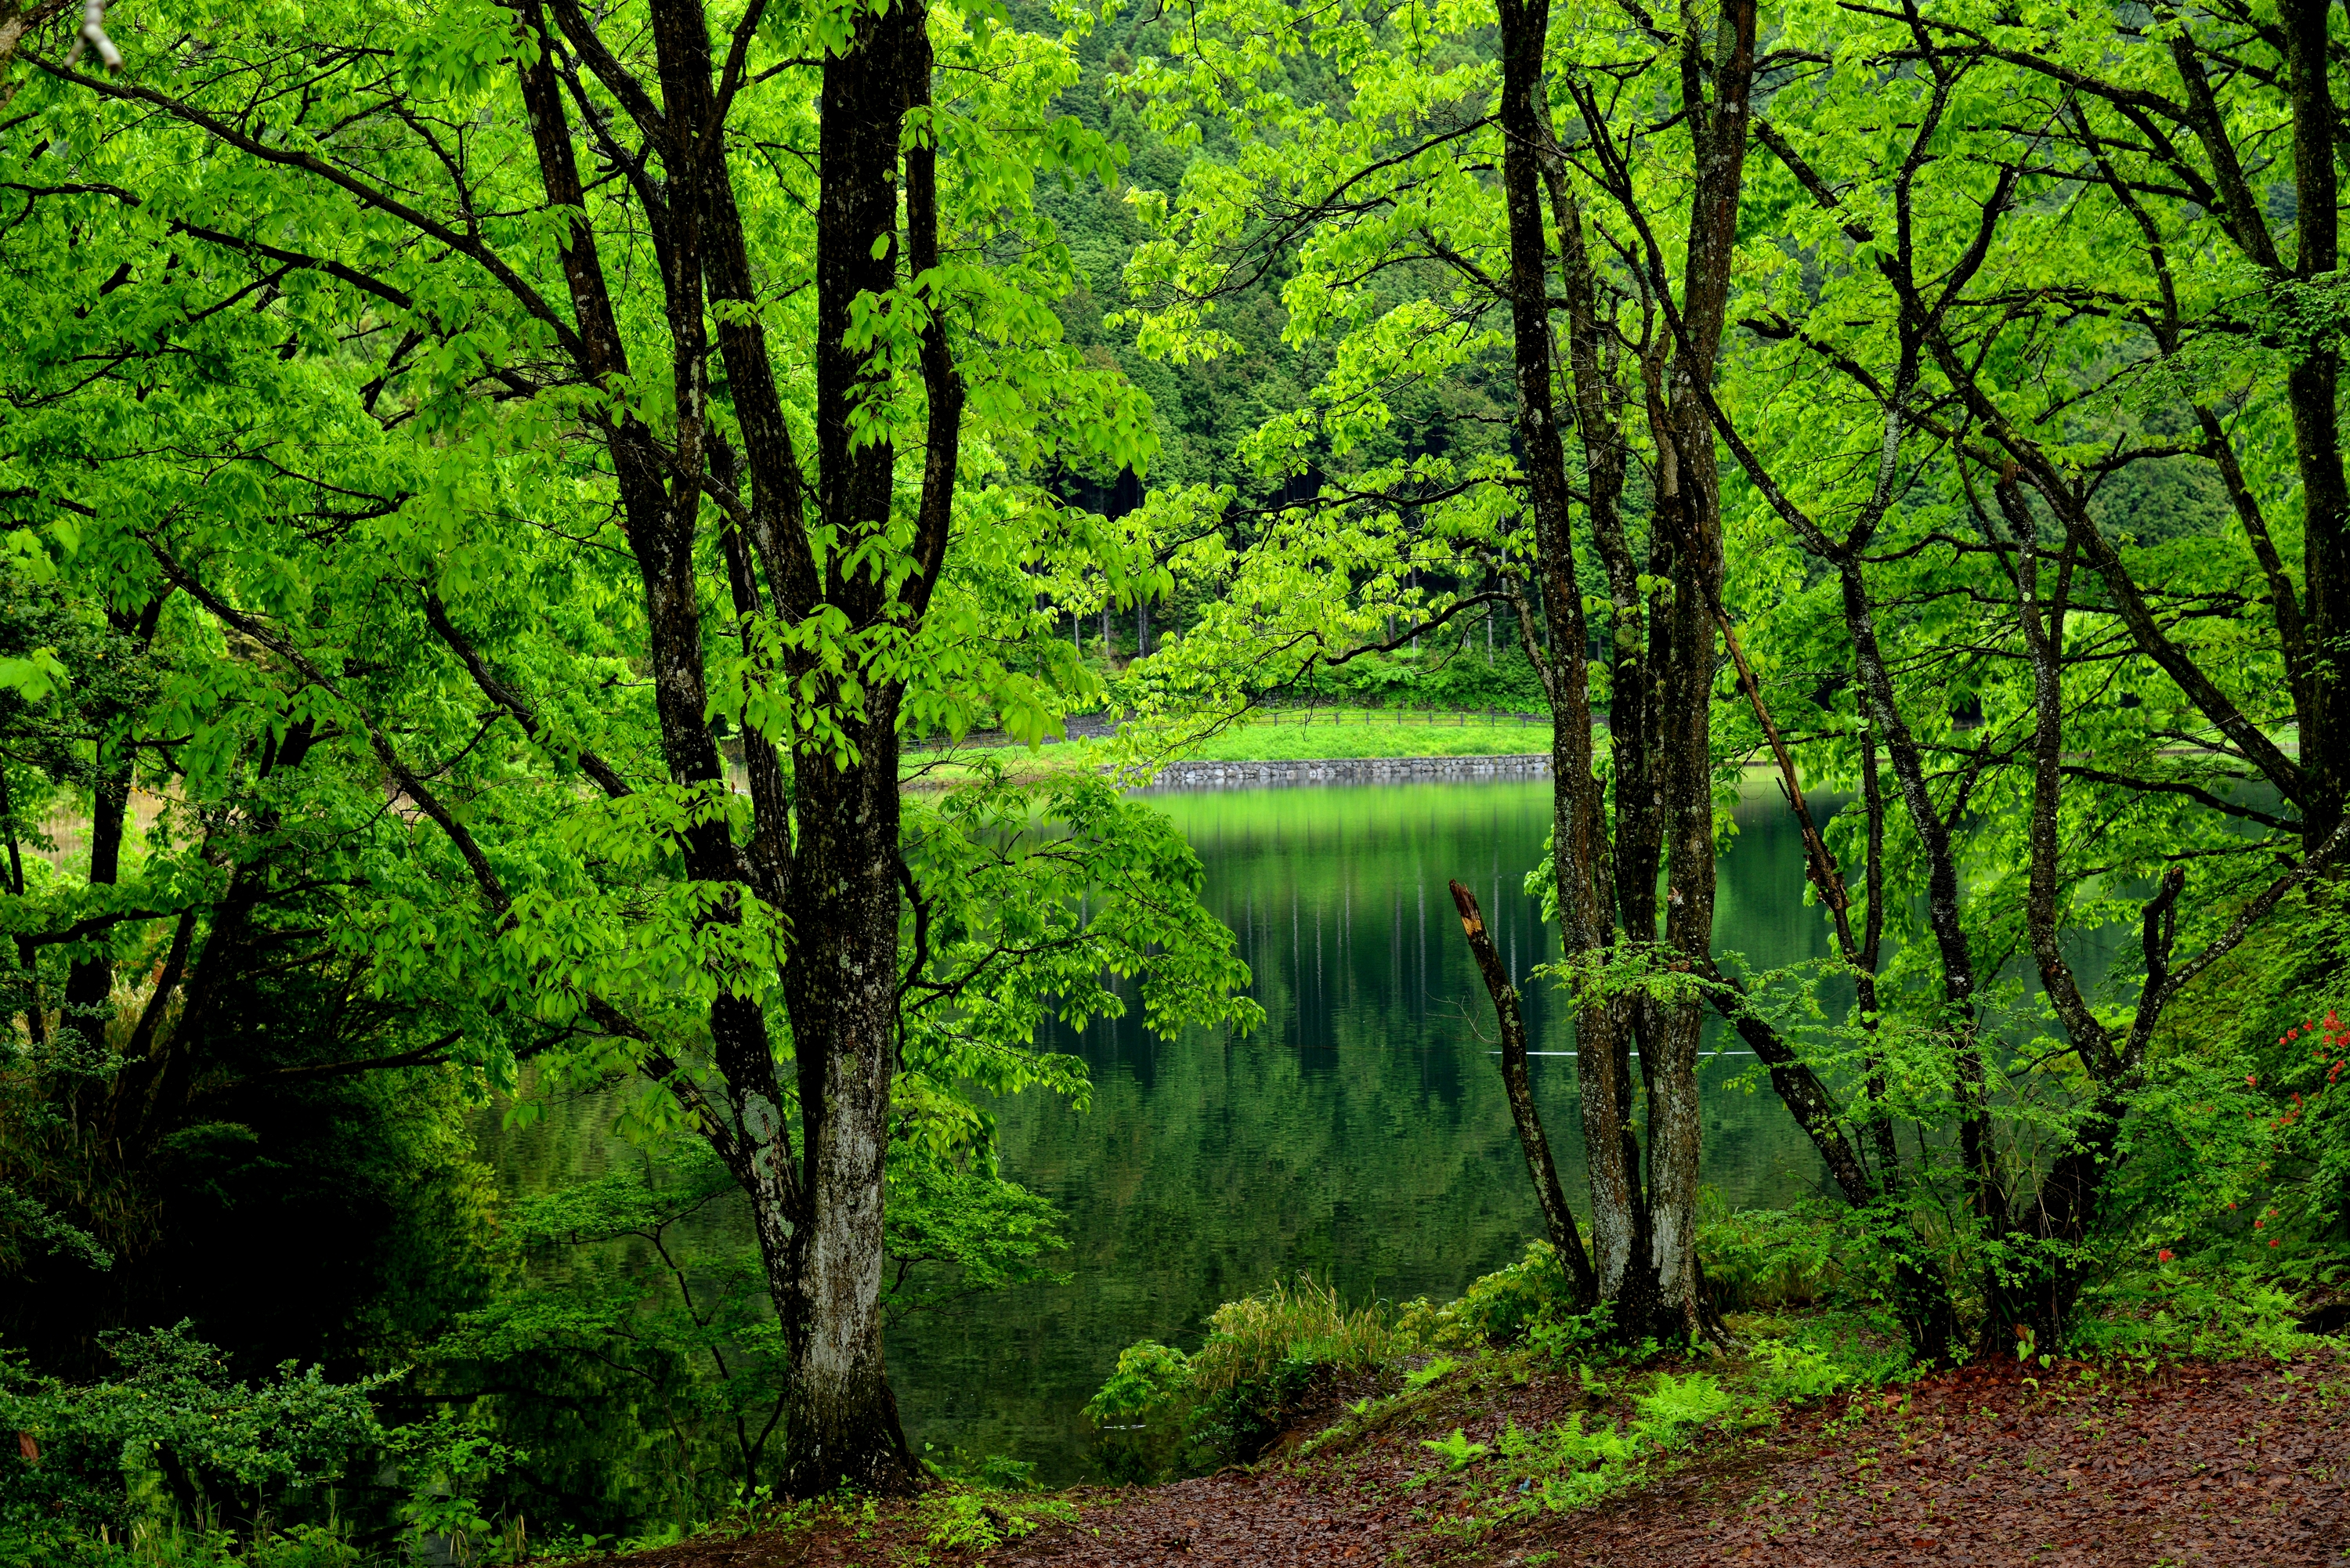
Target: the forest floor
pixel 2199 1463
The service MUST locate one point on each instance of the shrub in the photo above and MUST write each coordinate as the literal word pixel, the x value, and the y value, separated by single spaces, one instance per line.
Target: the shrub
pixel 1250 1342
pixel 222 1451
pixel 981 1520
pixel 1261 1353
pixel 1670 1413
pixel 1150 1375
pixel 1497 1309
pixel 1770 1259
pixel 2182 1308
pixel 1790 1373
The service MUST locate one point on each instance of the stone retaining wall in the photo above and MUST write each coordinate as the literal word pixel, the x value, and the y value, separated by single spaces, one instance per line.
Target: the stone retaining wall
pixel 1351 770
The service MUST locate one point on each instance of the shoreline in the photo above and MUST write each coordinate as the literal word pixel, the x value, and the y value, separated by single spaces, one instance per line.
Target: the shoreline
pixel 1189 776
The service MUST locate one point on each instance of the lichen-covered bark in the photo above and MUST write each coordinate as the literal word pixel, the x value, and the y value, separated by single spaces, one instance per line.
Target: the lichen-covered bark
pixel 842 984
pixel 1581 857
pixel 17 24
pixel 824 845
pixel 1644 1234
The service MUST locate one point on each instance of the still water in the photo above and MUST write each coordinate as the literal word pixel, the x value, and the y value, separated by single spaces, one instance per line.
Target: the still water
pixel 1361 1133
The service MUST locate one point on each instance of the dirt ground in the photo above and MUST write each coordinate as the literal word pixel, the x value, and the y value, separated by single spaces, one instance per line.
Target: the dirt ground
pixel 2199 1464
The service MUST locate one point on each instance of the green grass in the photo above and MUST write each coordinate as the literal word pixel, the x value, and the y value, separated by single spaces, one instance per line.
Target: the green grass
pixel 1301 1322
pixel 1282 738
pixel 1371 734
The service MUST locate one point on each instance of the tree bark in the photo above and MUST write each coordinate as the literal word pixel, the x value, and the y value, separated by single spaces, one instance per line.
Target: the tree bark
pixel 1691 517
pixel 16 20
pixel 2312 389
pixel 1558 1219
pixel 824 846
pixel 842 986
pixel 89 981
pixel 1619 1220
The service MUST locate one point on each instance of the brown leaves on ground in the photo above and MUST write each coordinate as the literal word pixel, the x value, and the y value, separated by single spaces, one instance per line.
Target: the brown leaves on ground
pixel 2193 1465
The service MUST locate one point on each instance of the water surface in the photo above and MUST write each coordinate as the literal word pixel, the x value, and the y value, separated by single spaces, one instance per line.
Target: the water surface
pixel 1361 1133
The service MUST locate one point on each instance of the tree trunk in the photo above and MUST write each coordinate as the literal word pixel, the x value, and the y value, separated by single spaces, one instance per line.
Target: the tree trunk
pixel 1685 785
pixel 2312 389
pixel 1580 858
pixel 1885 722
pixel 90 983
pixel 842 983
pixel 1558 1219
pixel 824 846
pixel 1685 732
pixel 37 1022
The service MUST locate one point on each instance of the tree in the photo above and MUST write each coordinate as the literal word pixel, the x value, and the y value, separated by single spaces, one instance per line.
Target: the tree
pixel 1444 227
pixel 2003 375
pixel 1995 342
pixel 780 493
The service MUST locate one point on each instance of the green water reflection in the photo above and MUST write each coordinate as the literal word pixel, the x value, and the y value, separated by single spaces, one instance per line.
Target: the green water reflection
pixel 1362 1133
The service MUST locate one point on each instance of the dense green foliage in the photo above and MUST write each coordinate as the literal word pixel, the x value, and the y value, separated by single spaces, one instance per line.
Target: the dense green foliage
pixel 2009 434
pixel 422 735
pixel 484 490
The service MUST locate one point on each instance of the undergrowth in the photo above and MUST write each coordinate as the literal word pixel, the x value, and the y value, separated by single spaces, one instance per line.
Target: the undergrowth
pixel 964 1520
pixel 1162 1407
pixel 1803 1293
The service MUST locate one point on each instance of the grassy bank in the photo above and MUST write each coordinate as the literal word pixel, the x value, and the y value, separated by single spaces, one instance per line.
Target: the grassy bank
pixel 1806 1443
pixel 1372 733
pixel 1504 1428
pixel 1272 738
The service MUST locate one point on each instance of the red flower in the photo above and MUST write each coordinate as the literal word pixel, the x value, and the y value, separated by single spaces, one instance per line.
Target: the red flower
pixel 2163 1256
pixel 2271 1241
pixel 2253 1079
pixel 2259 1224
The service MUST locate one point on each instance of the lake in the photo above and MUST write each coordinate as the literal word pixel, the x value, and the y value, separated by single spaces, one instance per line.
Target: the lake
pixel 1360 1134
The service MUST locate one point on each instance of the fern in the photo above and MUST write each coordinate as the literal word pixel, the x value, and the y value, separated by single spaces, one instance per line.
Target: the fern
pixel 1459 1452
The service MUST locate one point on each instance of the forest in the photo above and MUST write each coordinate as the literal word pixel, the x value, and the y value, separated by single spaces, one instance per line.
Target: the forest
pixel 606 953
